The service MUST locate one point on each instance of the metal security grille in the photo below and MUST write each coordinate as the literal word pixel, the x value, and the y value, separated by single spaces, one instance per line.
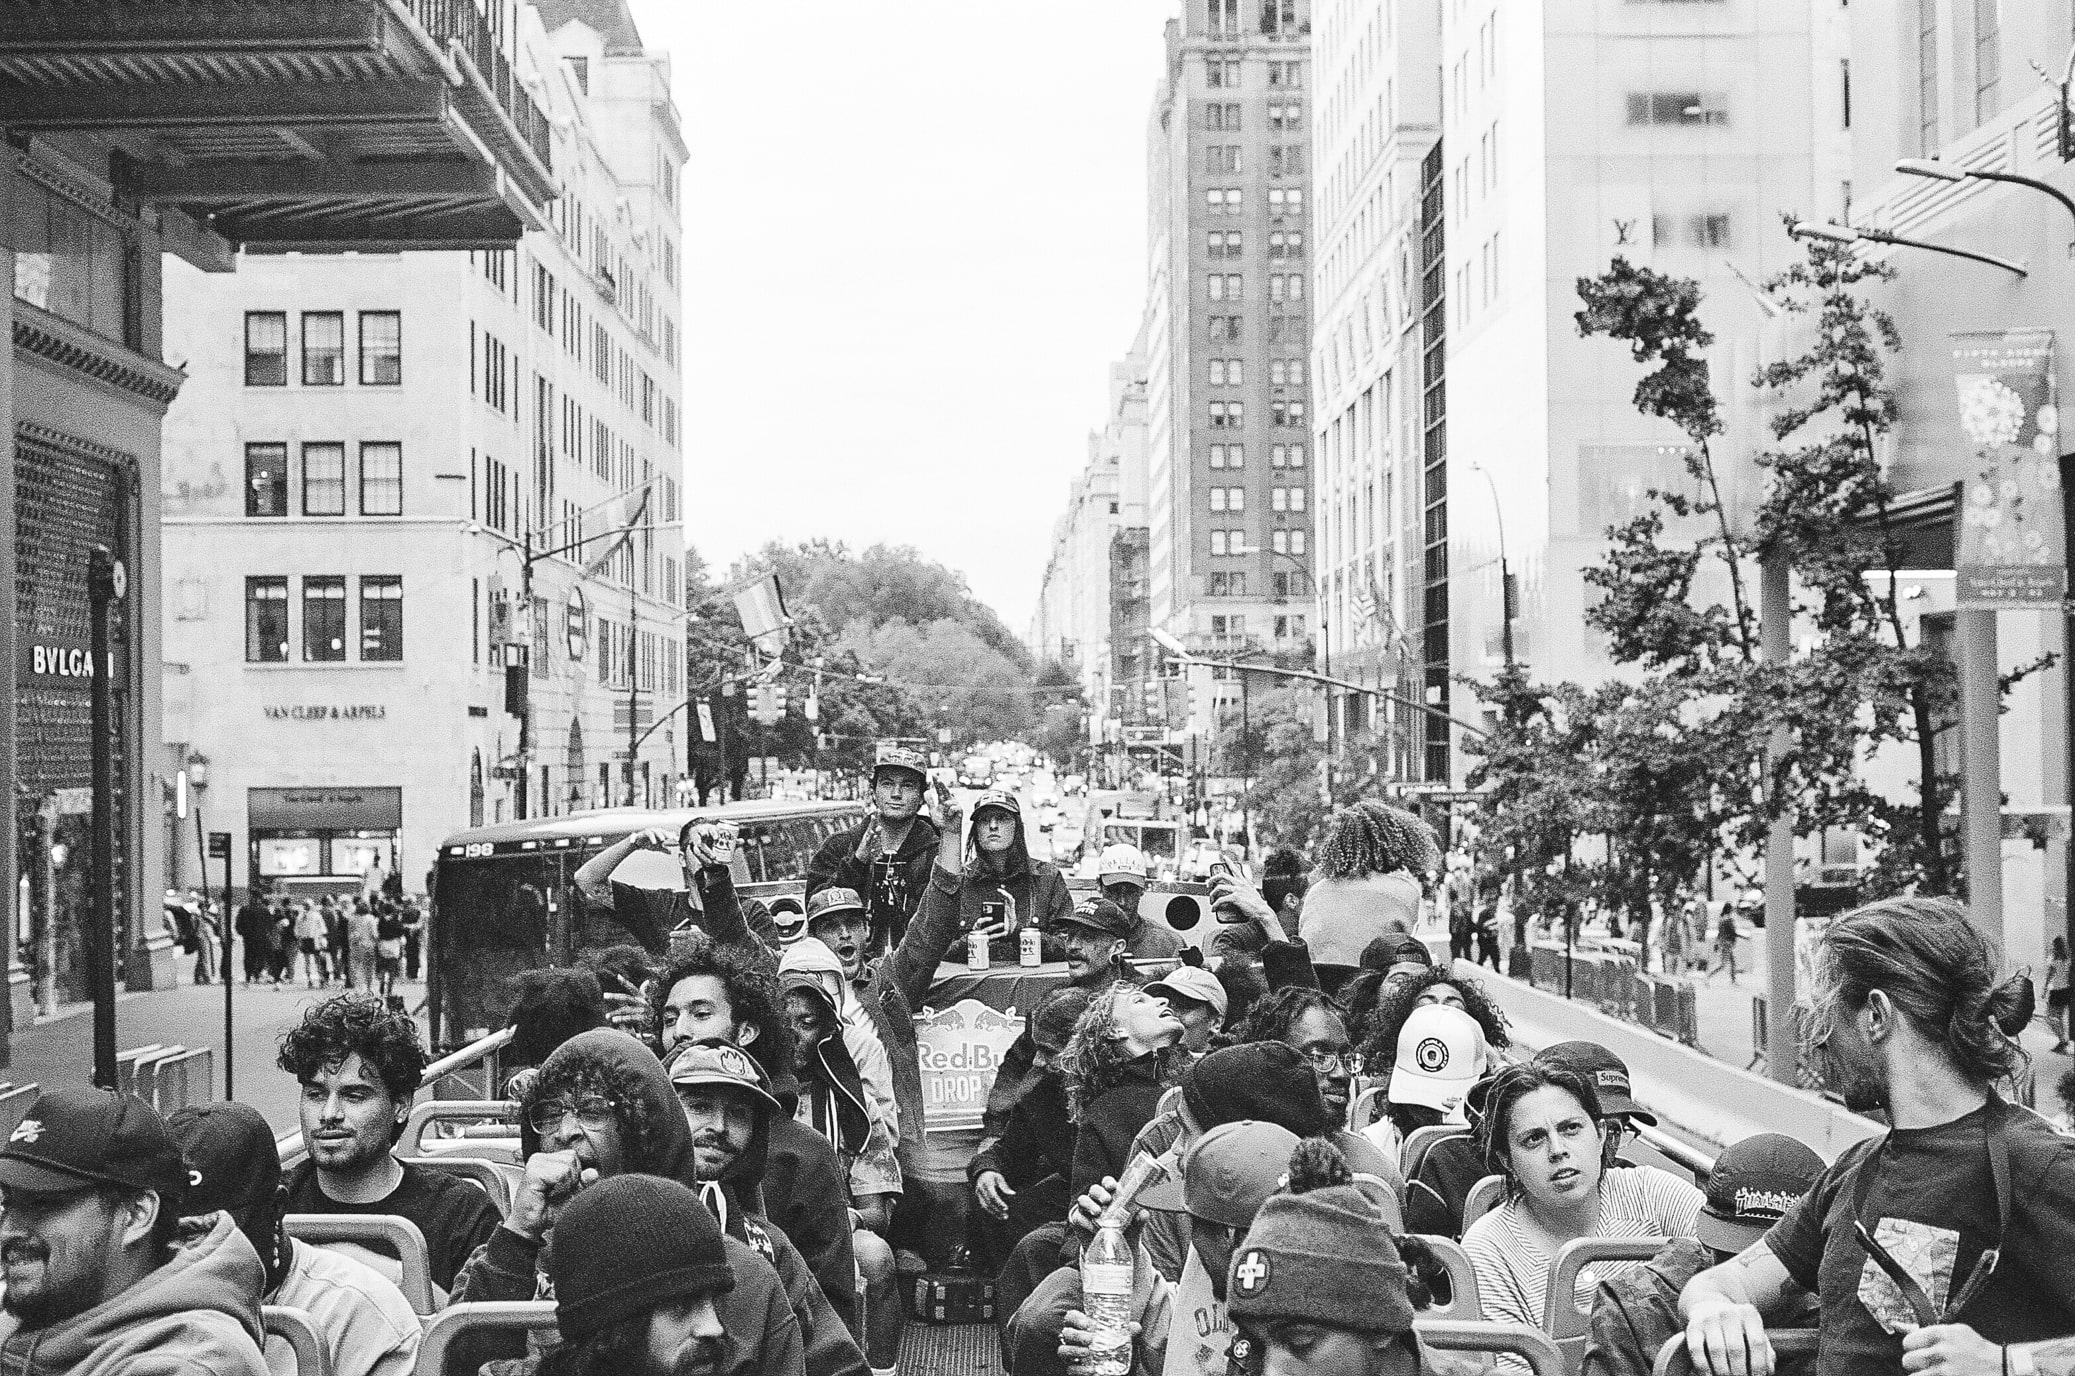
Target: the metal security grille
pixel 69 498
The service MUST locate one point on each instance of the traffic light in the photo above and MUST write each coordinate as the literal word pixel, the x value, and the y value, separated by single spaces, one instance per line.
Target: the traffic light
pixel 778 702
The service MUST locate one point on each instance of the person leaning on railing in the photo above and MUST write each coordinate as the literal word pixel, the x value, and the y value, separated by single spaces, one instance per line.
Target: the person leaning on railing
pixel 1941 1246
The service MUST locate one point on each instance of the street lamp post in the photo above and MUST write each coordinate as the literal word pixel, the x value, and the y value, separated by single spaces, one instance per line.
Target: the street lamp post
pixel 1505 569
pixel 1849 234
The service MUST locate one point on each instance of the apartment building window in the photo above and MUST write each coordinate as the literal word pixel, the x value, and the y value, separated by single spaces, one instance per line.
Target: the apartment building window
pixel 1286 244
pixel 1221 72
pixel 1285 200
pixel 324 479
pixel 1286 160
pixel 381 479
pixel 1227 372
pixel 1223 329
pixel 1225 286
pixel 1223 16
pixel 1235 499
pixel 1286 372
pixel 1299 542
pixel 1225 243
pixel 266 620
pixel 266 480
pixel 1287 286
pixel 1286 74
pixel 1297 498
pixel 1689 109
pixel 1709 231
pixel 1222 157
pixel 1229 585
pixel 1288 627
pixel 1218 544
pixel 381 348
pixel 324 619
pixel 1286 116
pixel 324 349
pixel 266 349
pixel 381 617
pixel 1221 117
pixel 1228 200
pixel 1988 58
pixel 1285 456
pixel 1227 414
pixel 1927 76
pixel 543 298
pixel 1228 456
pixel 1286 329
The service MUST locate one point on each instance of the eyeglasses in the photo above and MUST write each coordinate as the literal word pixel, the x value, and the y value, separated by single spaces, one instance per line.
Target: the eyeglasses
pixel 593 1114
pixel 1330 1062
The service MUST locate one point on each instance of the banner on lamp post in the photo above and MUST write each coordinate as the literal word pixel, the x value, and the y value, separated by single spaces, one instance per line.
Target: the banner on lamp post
pixel 761 605
pixel 2012 542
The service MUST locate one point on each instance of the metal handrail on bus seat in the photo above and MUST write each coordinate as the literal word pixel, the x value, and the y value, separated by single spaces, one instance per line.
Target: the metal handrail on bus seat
pixel 1786 1342
pixel 476 1053
pixel 296 1328
pixel 389 1230
pixel 500 1113
pixel 461 1320
pixel 1691 1159
pixel 1531 1345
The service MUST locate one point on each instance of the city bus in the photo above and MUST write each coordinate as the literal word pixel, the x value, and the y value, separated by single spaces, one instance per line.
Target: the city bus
pixel 504 897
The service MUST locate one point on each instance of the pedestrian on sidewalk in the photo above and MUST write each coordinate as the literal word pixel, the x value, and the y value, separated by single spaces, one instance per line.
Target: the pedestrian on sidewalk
pixel 413 936
pixel 362 935
pixel 310 952
pixel 1726 937
pixel 254 926
pixel 2057 994
pixel 281 965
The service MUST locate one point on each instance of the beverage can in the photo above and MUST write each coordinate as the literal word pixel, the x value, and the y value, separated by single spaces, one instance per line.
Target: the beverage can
pixel 976 951
pixel 1030 947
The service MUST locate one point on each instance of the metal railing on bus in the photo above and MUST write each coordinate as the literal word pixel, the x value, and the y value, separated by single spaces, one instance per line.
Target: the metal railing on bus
pixel 479 1060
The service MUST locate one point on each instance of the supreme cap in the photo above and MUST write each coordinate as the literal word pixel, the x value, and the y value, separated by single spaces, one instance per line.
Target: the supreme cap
pixel 74 1139
pixel 1604 1071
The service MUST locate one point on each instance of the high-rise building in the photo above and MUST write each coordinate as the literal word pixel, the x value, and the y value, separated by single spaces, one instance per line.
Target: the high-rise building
pixel 1076 599
pixel 1375 124
pixel 132 141
pixel 1229 522
pixel 1673 134
pixel 422 515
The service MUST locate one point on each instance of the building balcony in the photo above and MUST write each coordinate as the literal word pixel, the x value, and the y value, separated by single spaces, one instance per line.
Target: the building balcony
pixel 278 125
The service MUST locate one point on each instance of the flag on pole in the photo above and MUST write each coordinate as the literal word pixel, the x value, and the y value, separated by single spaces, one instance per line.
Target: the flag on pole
pixel 761 604
pixel 637 515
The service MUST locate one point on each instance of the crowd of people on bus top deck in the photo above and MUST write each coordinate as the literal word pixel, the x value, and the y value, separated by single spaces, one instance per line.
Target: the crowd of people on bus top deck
pixel 721 1147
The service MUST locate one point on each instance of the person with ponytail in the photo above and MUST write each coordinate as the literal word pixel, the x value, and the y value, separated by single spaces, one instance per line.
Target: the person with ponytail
pixel 1941 1246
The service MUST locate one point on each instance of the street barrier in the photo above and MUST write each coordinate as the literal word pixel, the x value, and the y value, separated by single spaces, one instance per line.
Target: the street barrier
pixel 175 1078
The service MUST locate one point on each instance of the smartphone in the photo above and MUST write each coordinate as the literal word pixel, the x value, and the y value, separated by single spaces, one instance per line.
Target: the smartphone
pixel 943 794
pixel 994 912
pixel 1220 867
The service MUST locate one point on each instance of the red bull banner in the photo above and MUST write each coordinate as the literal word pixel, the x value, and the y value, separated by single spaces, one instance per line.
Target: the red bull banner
pixel 2012 537
pixel 960 1049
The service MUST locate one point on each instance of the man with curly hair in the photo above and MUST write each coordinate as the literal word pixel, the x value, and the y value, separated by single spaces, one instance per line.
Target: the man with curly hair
pixel 360 1065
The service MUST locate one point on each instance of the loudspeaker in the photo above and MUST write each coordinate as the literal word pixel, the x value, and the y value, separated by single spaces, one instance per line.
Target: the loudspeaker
pixel 1183 908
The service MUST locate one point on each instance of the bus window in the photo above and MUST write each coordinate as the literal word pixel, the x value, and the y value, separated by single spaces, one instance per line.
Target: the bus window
pixel 1158 842
pixel 505 911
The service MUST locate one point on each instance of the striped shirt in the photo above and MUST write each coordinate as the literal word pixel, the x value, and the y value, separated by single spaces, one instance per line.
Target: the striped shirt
pixel 1513 1272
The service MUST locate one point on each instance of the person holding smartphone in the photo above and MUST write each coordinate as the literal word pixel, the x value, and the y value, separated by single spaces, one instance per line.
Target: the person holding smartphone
pixel 1003 889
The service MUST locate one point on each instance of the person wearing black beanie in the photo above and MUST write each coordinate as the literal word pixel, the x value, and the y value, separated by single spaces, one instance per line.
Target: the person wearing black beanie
pixel 638 1265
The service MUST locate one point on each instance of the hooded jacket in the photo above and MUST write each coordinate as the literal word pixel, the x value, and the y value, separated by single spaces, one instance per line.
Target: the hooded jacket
pixel 1035 887
pixel 198 1315
pixel 807 1195
pixel 656 1140
pixel 868 1056
pixel 834 1094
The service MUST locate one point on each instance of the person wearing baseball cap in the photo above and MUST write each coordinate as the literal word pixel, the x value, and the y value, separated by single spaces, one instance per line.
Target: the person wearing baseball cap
pixel 886 857
pixel 1441 1054
pixel 1123 874
pixel 1754 1183
pixel 1226 1176
pixel 366 1324
pixel 1004 888
pixel 1196 997
pixel 1608 1075
pixel 101 1274
pixel 646 1284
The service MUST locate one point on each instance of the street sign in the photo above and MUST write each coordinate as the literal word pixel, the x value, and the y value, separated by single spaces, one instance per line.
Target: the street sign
pixel 219 845
pixel 706 730
pixel 73 802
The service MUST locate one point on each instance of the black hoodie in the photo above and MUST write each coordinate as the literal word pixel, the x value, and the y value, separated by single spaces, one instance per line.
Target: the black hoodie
pixel 656 1140
pixel 807 1194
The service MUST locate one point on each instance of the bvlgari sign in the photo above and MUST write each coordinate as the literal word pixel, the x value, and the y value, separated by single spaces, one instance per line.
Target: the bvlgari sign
pixel 326 711
pixel 57 661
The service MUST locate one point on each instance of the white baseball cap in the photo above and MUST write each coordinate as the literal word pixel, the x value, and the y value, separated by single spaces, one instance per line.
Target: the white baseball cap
pixel 1192 982
pixel 1440 1055
pixel 1121 861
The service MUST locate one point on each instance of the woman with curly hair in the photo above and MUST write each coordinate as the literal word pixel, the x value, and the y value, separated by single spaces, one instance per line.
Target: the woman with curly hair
pixel 1124 1053
pixel 1398 997
pixel 1368 882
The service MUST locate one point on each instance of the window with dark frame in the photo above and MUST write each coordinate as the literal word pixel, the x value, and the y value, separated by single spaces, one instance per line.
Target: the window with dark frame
pixel 324 479
pixel 381 617
pixel 266 620
pixel 381 478
pixel 381 348
pixel 324 349
pixel 266 349
pixel 266 480
pixel 324 619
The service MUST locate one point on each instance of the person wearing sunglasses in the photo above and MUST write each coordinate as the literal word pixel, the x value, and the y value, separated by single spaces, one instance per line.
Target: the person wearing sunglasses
pixel 1941 1246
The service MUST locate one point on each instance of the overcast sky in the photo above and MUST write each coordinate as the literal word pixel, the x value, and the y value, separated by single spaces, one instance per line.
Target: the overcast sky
pixel 914 239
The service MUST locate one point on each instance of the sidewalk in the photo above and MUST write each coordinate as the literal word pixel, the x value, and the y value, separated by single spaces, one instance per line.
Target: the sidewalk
pixel 60 1050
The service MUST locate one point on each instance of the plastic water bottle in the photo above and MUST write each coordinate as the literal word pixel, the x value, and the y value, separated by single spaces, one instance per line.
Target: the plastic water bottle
pixel 1106 1275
